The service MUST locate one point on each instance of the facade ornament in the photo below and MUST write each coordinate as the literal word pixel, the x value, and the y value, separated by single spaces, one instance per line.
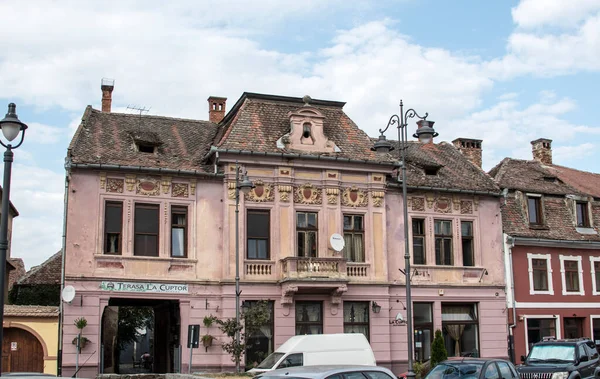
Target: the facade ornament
pixel 377 197
pixel 148 186
pixel 114 185
pixel 443 205
pixel 262 192
pixel 476 202
pixel 336 296
pixel 179 190
pixel 102 180
pixel 284 192
pixel 128 211
pixel 354 197
pixel 466 207
pixel 193 188
pixel 287 294
pixel 430 199
pixel 332 195
pixel 307 194
pixel 166 183
pixel 418 204
pixel 130 182
pixel 231 190
pixel 456 202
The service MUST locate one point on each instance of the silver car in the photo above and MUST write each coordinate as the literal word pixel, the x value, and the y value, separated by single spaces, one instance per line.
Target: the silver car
pixel 329 372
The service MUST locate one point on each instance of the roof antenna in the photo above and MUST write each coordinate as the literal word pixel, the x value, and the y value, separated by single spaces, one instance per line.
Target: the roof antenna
pixel 139 109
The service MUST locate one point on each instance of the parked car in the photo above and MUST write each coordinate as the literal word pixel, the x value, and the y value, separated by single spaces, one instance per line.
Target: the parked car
pixel 473 368
pixel 329 372
pixel 561 359
pixel 319 349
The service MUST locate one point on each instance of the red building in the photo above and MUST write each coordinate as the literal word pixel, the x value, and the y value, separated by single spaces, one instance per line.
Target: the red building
pixel 551 218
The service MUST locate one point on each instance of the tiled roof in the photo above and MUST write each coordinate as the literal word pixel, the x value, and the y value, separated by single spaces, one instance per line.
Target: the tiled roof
pixel 30 311
pixel 585 182
pixel 17 273
pixel 110 138
pixel 47 273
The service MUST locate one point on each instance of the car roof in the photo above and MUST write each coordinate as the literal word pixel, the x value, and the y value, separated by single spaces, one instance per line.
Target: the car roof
pixel 472 360
pixel 322 370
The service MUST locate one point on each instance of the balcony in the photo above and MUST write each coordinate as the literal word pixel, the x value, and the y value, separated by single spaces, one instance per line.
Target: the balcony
pixel 313 268
pixel 447 274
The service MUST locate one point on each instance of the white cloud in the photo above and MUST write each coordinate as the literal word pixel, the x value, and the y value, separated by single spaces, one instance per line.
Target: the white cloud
pixel 43 134
pixel 536 13
pixel 569 154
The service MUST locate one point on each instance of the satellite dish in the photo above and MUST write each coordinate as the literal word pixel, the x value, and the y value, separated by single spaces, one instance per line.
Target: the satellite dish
pixel 337 242
pixel 399 317
pixel 68 294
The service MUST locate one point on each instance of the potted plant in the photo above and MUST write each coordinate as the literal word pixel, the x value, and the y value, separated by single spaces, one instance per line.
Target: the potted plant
pixel 207 338
pixel 80 323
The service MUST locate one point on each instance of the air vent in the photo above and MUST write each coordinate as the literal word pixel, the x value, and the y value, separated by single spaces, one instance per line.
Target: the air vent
pixel 146 148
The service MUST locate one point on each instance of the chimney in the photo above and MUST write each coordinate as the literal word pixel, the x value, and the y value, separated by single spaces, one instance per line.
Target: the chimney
pixel 542 150
pixel 107 87
pixel 216 108
pixel 470 148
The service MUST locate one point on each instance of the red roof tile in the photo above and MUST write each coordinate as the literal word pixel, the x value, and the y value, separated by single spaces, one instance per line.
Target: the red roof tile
pixel 48 272
pixel 30 311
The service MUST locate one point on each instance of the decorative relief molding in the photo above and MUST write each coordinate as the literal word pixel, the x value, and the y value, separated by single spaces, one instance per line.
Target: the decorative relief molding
pixel 179 190
pixel 307 194
pixel 193 188
pixel 130 182
pixel 284 192
pixel 166 214
pixel 332 195
pixel 148 186
pixel 456 202
pixel 354 197
pixel 262 192
pixel 128 211
pixel 285 171
pixel 476 202
pixel 377 197
pixel 114 185
pixel 378 178
pixel 442 205
pixel 102 180
pixel 430 199
pixel 166 183
pixel 287 294
pixel 418 204
pixel 332 174
pixel 466 207
pixel 231 190
pixel 336 297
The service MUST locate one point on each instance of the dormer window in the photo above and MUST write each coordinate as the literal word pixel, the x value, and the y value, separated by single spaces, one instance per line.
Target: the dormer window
pixel 583 218
pixel 146 148
pixel 431 171
pixel 534 208
pixel 307 138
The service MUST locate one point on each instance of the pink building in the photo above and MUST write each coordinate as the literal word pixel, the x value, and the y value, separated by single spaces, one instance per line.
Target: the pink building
pixel 151 222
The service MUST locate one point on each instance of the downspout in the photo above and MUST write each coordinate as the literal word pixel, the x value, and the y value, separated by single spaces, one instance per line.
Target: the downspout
pixel 510 243
pixel 62 270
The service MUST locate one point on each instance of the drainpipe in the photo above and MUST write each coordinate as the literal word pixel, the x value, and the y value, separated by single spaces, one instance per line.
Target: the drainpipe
pixel 62 271
pixel 510 243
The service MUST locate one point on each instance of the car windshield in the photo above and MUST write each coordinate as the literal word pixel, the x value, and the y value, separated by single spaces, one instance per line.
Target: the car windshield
pixel 552 353
pixel 270 361
pixel 455 371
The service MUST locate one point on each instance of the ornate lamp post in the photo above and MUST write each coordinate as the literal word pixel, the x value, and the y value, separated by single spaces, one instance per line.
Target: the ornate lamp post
pixel 11 127
pixel 243 185
pixel 424 133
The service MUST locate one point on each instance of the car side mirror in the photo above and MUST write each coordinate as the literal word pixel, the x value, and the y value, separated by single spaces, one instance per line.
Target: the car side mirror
pixel 584 358
pixel 523 358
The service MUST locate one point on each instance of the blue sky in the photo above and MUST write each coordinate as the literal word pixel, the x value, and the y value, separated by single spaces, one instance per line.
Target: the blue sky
pixel 504 71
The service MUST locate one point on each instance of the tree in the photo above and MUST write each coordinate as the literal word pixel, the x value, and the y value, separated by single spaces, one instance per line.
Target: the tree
pixel 132 319
pixel 438 350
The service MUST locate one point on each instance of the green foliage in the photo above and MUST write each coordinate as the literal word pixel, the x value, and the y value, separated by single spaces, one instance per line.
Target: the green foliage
pixel 80 323
pixel 419 369
pixel 130 320
pixel 438 350
pixel 35 295
pixel 209 320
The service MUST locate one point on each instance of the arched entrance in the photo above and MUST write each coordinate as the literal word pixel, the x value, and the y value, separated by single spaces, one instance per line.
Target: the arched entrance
pixel 21 351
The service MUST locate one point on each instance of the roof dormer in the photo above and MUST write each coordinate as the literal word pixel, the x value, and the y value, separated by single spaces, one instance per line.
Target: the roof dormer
pixel 306 131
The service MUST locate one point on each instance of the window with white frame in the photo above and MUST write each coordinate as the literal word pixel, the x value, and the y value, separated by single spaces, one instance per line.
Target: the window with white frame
pixel 540 274
pixel 595 269
pixel 571 274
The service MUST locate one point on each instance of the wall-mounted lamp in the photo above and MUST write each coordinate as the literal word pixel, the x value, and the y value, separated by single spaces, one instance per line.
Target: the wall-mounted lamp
pixel 376 307
pixel 483 272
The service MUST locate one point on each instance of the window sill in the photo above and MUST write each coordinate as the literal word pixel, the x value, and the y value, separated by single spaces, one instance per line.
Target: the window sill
pixel 567 293
pixel 112 257
pixel 587 230
pixel 541 292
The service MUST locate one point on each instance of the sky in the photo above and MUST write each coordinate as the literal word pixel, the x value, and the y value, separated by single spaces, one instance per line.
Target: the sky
pixel 504 71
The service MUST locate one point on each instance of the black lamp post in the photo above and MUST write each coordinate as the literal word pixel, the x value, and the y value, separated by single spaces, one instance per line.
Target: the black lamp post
pixel 11 127
pixel 243 185
pixel 424 133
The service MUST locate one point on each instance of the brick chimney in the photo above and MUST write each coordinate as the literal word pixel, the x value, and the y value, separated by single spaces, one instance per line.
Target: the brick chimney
pixel 470 148
pixel 216 108
pixel 542 150
pixel 107 87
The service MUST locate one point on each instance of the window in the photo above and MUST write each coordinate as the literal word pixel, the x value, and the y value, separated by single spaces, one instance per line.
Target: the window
pixel 179 231
pixel 540 274
pixel 506 372
pixel 292 360
pixel 354 237
pixel 309 317
pixel 418 231
pixel 113 226
pixel 356 317
pixel 145 148
pixel 538 328
pixel 258 226
pixel 596 330
pixel 571 275
pixel 376 375
pixel 443 242
pixel 583 220
pixel 307 229
pixel 595 271
pixel 423 326
pixel 491 372
pixel 260 344
pixel 573 327
pixel 535 211
pixel 459 324
pixel 146 230
pixel 466 228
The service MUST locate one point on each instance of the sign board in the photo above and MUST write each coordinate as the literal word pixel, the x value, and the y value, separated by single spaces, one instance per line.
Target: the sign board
pixel 144 287
pixel 193 336
pixel 418 345
pixel 13 346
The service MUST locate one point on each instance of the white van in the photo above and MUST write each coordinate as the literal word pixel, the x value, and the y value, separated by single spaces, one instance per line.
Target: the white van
pixel 319 349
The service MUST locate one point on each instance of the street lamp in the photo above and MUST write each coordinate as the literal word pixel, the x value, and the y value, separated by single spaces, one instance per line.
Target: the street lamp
pixel 424 133
pixel 11 127
pixel 244 185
